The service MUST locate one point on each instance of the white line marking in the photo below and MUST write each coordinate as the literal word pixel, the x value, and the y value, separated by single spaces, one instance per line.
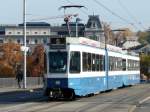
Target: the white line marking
pixel 132 108
pixel 144 100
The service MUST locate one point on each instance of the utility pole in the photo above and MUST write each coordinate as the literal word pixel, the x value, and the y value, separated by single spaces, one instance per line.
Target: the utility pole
pixel 25 50
pixel 107 31
pixel 106 35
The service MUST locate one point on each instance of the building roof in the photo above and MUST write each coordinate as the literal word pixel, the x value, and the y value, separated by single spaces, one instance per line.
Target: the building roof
pixel 129 44
pixel 36 24
pixel 95 19
pixel 74 24
pixel 132 38
pixel 64 28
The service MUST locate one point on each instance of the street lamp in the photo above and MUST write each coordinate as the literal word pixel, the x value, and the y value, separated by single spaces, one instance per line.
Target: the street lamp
pixel 25 50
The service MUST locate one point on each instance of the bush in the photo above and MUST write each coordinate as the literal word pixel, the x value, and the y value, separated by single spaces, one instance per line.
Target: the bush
pixel 145 65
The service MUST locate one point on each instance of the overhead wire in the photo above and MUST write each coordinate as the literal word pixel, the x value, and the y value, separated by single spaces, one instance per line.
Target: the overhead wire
pixel 130 14
pixel 83 11
pixel 114 14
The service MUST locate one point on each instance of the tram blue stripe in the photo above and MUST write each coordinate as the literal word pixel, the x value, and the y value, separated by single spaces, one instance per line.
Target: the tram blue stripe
pixel 87 85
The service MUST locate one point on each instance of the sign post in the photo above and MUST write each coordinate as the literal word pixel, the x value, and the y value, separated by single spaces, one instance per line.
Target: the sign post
pixel 25 51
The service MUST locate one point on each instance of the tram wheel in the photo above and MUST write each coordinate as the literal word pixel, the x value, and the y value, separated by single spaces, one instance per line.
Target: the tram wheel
pixel 72 96
pixel 69 95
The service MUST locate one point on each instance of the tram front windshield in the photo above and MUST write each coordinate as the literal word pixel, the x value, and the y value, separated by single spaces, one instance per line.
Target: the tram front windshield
pixel 57 62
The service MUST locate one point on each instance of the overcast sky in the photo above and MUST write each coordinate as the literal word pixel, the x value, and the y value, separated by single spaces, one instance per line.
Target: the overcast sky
pixel 134 11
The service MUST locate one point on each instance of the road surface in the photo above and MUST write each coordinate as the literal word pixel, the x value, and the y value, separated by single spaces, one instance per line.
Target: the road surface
pixel 129 99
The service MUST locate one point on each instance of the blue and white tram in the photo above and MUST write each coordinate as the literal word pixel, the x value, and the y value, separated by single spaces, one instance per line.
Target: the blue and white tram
pixel 80 66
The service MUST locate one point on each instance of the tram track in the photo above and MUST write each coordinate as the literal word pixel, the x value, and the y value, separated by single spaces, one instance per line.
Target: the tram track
pixel 42 107
pixel 121 100
pixel 130 100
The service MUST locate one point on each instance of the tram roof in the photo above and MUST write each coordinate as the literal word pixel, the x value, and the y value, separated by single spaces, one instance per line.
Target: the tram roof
pixel 60 43
pixel 92 43
pixel 97 44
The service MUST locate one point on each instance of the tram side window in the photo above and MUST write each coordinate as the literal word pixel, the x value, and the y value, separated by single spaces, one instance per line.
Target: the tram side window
pixel 84 61
pixel 93 62
pixel 119 64
pixel 97 62
pixel 111 63
pixel 102 63
pixel 124 64
pixel 89 62
pixel 129 64
pixel 137 65
pixel 115 63
pixel 132 64
pixel 75 62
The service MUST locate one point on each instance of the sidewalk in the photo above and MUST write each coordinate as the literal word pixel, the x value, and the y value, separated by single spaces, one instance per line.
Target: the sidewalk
pixel 4 90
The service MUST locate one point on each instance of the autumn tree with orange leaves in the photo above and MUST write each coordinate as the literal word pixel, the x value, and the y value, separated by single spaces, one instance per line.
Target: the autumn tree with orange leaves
pixel 11 56
pixel 35 62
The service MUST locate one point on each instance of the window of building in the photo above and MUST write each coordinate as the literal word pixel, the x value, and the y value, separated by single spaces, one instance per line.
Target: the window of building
pixel 44 41
pixel 27 33
pixel 18 41
pixel 35 41
pixel 44 32
pixel 9 32
pixel 74 62
pixel 94 25
pixel 27 41
pixel 35 32
pixel 1 41
pixel 18 32
pixel 2 32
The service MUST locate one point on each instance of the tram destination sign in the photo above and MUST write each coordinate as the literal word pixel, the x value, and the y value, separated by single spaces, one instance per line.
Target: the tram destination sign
pixel 58 43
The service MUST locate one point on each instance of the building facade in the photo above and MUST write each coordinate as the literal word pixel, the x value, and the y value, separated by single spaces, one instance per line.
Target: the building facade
pixel 94 29
pixel 62 30
pixel 37 33
pixel 40 32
